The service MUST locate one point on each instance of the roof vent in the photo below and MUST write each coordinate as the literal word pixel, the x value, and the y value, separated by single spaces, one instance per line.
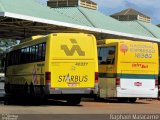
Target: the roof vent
pixel 72 3
pixel 131 14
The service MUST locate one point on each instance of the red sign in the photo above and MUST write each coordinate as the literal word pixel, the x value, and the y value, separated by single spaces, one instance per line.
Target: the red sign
pixel 124 48
pixel 137 84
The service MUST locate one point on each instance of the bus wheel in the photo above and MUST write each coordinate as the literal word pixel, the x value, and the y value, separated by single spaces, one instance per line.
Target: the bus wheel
pixel 42 96
pixel 26 88
pixel 31 90
pixel 98 99
pixel 7 87
pixel 74 100
pixel 132 100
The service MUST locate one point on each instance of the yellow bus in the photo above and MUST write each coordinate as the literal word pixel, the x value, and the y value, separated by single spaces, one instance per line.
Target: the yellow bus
pixel 127 69
pixel 62 65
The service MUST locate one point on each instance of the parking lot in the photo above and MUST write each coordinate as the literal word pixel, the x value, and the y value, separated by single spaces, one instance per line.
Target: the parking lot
pixel 88 107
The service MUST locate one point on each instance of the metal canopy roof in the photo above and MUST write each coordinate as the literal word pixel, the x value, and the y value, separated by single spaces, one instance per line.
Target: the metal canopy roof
pixel 148 29
pixel 19 29
pixel 23 18
pixel 96 19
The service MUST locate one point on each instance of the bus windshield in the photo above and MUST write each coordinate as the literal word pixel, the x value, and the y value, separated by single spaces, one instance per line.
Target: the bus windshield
pixel 106 55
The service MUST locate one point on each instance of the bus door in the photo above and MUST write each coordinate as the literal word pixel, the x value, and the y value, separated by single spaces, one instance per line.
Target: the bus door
pixel 107 70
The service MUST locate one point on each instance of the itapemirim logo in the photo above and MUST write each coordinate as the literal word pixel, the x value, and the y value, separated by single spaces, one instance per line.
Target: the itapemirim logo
pixel 75 47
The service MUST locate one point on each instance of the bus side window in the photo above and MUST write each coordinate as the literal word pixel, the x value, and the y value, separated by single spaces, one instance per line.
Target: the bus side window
pixel 33 54
pixel 22 54
pixel 30 54
pixel 36 53
pixel 43 51
pixel 40 52
pixel 19 56
pixel 27 54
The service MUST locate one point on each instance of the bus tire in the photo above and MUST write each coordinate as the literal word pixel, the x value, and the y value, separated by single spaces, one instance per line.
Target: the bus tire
pixel 42 96
pixel 26 88
pixel 132 100
pixel 73 100
pixel 98 99
pixel 31 91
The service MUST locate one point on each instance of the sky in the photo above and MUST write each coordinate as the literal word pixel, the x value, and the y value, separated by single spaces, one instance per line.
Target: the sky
pixel 150 8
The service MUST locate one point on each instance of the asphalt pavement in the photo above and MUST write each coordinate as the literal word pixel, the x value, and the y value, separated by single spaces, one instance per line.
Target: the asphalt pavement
pixel 13 109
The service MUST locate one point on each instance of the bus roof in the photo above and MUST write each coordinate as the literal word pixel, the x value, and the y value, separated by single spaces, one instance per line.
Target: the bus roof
pixel 107 41
pixel 31 38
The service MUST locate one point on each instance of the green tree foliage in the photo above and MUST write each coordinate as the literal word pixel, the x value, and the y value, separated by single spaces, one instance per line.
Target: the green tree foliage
pixel 5 44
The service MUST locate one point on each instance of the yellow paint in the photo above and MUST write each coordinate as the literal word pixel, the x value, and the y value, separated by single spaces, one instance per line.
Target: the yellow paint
pixel 70 57
pixel 131 57
pixel 73 66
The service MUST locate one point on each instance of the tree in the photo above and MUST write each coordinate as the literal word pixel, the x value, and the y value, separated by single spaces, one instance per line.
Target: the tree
pixel 4 45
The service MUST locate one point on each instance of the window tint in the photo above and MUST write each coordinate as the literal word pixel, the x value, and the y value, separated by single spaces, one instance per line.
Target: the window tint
pixel 35 53
pixel 22 55
pixel 40 52
pixel 106 55
pixel 43 51
pixel 27 54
